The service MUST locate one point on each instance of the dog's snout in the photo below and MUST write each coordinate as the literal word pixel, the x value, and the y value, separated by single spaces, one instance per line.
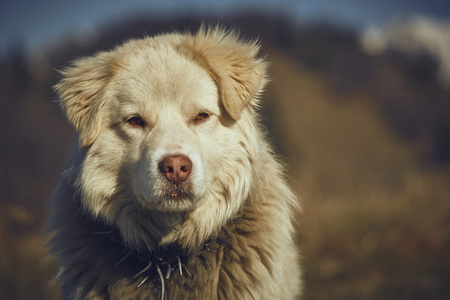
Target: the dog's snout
pixel 176 168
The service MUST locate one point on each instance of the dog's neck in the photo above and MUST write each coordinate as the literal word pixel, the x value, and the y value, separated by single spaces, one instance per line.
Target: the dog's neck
pixel 166 253
pixel 165 258
pixel 161 259
pixel 158 263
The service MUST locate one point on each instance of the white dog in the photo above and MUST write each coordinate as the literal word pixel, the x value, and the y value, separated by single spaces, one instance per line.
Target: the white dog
pixel 172 190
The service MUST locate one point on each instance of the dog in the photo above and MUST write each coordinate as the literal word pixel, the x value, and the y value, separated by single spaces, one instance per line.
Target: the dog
pixel 172 190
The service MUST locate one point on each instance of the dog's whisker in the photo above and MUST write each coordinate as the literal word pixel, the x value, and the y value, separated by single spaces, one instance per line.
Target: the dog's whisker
pixel 179 265
pixel 103 232
pixel 187 271
pixel 162 281
pixel 208 266
pixel 123 258
pixel 169 271
pixel 176 222
pixel 226 230
pixel 142 282
pixel 143 270
pixel 224 242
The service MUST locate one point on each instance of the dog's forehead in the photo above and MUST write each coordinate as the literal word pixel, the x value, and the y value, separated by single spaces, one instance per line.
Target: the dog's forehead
pixel 164 75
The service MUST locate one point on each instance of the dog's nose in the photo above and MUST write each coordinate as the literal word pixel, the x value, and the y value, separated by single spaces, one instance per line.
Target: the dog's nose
pixel 176 168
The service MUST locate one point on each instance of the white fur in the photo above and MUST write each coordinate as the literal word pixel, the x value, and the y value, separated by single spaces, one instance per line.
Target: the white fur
pixel 167 81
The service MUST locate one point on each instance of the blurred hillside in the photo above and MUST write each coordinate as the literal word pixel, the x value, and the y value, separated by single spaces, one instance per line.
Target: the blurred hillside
pixel 366 138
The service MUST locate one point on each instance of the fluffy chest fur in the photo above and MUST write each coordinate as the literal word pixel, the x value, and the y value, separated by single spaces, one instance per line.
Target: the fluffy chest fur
pixel 242 261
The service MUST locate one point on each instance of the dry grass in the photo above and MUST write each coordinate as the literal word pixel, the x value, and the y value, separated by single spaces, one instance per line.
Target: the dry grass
pixel 376 222
pixel 24 271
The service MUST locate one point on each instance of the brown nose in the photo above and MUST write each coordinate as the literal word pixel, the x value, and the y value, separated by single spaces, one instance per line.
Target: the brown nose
pixel 176 168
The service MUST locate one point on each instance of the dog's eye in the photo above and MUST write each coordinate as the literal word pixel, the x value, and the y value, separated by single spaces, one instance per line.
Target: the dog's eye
pixel 136 122
pixel 201 117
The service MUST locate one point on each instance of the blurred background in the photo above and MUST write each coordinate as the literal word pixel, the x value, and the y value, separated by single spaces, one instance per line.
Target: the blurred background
pixel 358 107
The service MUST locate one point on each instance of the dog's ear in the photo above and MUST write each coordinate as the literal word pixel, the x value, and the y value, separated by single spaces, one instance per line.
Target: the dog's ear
pixel 81 93
pixel 234 65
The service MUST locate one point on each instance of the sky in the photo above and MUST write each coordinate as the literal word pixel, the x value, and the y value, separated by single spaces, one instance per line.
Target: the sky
pixel 35 23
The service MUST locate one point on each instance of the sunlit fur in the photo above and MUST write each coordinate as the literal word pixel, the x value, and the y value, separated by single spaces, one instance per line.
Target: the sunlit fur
pixel 113 177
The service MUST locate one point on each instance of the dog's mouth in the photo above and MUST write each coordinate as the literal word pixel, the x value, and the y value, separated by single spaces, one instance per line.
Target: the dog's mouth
pixel 179 194
pixel 175 198
pixel 169 197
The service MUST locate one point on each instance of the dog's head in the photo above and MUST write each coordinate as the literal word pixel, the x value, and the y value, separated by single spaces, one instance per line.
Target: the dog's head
pixel 165 125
